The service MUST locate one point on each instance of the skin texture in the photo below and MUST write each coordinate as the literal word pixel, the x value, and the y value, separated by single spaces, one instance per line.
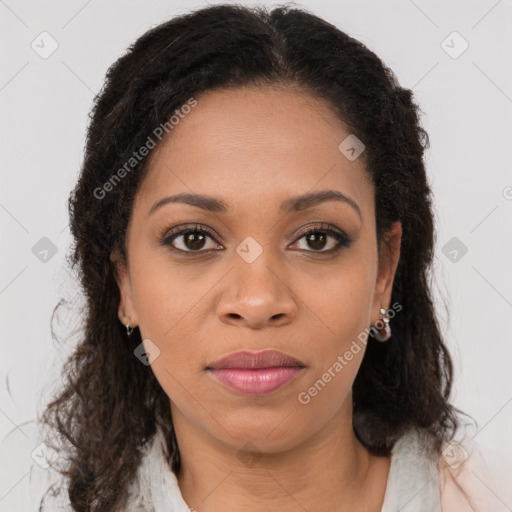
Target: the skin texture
pixel 255 147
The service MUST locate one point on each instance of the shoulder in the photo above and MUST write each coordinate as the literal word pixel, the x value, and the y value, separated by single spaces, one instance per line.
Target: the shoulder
pixel 413 484
pixel 155 487
pixel 474 476
pixel 467 476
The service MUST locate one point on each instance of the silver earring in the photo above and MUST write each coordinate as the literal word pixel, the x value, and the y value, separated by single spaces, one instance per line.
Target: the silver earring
pixel 385 333
pixel 129 330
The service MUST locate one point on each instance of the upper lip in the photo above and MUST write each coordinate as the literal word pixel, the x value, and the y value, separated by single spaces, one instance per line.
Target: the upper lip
pixel 264 359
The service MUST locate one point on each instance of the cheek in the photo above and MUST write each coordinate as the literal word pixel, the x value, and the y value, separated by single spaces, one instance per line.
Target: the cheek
pixel 168 307
pixel 340 332
pixel 328 387
pixel 166 295
pixel 338 300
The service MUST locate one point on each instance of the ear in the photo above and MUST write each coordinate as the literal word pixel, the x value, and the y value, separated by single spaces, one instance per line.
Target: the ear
pixel 389 257
pixel 126 310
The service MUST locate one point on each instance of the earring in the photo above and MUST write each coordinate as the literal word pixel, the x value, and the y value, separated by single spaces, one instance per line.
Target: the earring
pixel 129 329
pixel 386 334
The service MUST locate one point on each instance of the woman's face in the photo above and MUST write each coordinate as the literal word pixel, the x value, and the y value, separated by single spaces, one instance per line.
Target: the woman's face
pixel 253 280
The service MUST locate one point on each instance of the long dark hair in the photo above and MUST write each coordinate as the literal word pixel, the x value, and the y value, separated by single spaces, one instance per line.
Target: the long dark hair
pixel 111 403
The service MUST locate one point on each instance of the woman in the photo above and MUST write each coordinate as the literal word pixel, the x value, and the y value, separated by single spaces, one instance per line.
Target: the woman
pixel 253 232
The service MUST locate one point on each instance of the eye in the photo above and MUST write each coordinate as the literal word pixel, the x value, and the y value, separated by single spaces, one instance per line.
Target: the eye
pixel 195 239
pixel 189 239
pixel 318 239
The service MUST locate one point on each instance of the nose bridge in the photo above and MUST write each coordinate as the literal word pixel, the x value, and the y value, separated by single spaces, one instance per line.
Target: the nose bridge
pixel 257 271
pixel 258 292
pixel 260 277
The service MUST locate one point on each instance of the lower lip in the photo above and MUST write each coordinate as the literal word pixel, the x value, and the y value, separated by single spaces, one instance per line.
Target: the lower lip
pixel 260 381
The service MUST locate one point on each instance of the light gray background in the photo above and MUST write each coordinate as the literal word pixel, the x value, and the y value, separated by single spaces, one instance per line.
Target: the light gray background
pixel 44 104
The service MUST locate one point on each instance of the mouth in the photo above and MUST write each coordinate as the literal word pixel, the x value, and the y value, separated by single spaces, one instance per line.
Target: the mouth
pixel 245 359
pixel 256 373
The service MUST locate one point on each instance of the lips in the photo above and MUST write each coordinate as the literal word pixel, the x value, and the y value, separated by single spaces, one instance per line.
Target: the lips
pixel 252 360
pixel 255 373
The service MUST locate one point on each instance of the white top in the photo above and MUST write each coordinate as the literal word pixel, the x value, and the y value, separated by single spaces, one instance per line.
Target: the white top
pixel 412 486
pixel 416 482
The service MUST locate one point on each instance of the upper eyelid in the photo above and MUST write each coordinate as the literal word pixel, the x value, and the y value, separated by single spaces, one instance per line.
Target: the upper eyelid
pixel 322 226
pixel 181 230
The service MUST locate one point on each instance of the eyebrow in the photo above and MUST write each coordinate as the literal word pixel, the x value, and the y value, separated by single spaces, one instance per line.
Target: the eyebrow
pixel 293 204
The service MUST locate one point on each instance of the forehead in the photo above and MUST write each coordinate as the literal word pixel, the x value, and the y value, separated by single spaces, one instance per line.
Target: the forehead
pixel 253 143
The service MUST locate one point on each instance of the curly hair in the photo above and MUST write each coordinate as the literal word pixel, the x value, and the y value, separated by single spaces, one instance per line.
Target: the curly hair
pixel 111 404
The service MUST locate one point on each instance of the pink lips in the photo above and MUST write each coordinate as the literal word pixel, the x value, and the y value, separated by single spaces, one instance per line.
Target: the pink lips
pixel 256 373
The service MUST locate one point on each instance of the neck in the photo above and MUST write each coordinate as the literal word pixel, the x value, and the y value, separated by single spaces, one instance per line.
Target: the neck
pixel 331 470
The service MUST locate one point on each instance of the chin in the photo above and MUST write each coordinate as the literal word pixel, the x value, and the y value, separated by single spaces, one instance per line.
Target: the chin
pixel 269 431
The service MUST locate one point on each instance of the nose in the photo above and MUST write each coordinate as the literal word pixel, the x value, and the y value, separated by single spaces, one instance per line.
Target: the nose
pixel 257 296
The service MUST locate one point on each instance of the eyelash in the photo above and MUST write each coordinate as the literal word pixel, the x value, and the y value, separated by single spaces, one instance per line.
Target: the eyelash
pixel 166 237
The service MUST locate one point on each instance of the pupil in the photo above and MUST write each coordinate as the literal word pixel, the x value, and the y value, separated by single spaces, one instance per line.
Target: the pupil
pixel 317 235
pixel 195 239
